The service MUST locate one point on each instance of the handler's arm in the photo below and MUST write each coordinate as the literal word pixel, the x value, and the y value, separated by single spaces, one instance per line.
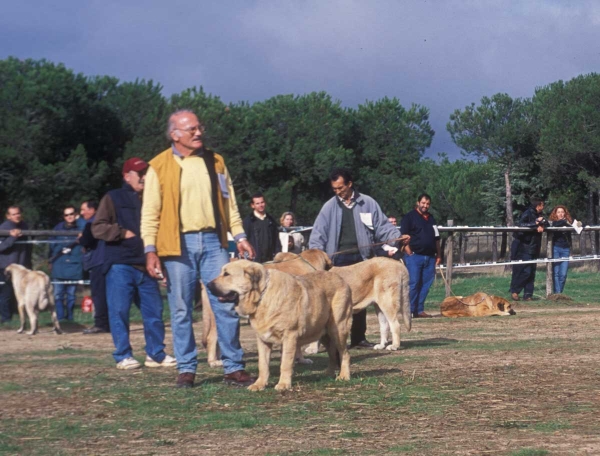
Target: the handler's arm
pixel 105 226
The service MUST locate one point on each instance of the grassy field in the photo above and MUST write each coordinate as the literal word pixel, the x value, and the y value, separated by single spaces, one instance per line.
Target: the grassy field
pixel 522 385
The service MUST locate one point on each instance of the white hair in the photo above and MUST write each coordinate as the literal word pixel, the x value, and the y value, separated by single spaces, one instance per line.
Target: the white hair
pixel 171 123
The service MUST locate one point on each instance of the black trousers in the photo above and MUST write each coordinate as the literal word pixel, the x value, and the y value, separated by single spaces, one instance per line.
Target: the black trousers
pixel 523 275
pixel 359 320
pixel 98 287
pixel 7 299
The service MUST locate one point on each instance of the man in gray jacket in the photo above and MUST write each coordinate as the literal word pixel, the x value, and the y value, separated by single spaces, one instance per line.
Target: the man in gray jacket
pixel 346 228
pixel 11 253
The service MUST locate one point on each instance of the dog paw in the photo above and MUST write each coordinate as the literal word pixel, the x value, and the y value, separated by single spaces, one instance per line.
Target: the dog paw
pixel 342 377
pixel 58 331
pixel 392 347
pixel 311 350
pixel 30 333
pixel 303 361
pixel 283 386
pixel 20 331
pixel 215 363
pixel 379 347
pixel 256 387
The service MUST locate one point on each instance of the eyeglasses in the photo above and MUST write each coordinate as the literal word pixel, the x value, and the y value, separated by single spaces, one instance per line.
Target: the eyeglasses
pixel 198 128
pixel 70 214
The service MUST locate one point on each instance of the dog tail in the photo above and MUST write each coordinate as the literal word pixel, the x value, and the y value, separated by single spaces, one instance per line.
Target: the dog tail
pixel 405 301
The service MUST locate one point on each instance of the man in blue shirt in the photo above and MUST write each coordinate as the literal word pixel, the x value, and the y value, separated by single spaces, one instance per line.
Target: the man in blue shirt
pixel 423 253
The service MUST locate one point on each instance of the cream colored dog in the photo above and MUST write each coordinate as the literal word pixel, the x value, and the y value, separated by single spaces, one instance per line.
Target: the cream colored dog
pixel 380 281
pixel 290 311
pixel 34 293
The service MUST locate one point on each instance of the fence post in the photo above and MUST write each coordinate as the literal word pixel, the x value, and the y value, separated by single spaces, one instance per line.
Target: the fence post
pixel 495 247
pixel 450 246
pixel 549 274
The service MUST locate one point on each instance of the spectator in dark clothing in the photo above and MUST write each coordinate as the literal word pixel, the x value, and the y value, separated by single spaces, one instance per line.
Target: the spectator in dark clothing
pixel 66 263
pixel 93 258
pixel 423 253
pixel 11 253
pixel 561 245
pixel 526 246
pixel 262 230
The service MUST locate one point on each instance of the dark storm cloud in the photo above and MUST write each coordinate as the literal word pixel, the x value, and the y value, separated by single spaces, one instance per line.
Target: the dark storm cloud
pixel 442 54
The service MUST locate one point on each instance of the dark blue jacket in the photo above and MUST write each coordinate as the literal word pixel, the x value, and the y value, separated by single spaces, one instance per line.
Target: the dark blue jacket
pixel 128 214
pixel 422 235
pixel 94 248
pixel 69 265
pixel 14 253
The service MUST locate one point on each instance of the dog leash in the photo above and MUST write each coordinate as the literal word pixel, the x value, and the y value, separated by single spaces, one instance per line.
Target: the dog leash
pixel 452 292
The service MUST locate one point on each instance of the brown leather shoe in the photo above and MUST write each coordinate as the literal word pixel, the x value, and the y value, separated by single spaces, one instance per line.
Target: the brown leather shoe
pixel 424 315
pixel 185 380
pixel 514 296
pixel 239 378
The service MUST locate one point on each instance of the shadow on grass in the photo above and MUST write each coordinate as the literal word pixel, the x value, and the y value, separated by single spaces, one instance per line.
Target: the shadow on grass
pixel 429 343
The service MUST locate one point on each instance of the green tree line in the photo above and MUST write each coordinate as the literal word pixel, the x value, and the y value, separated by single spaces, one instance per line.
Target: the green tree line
pixel 64 137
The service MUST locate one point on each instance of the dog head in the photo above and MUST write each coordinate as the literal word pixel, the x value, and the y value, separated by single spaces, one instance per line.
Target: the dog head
pixel 241 282
pixel 11 269
pixel 504 307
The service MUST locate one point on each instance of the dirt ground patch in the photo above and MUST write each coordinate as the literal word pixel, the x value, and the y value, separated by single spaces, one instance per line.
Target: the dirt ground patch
pixel 522 385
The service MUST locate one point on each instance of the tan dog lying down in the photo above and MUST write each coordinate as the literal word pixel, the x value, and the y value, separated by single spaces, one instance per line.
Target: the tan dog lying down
pixel 34 293
pixel 380 281
pixel 288 310
pixel 477 305
pixel 311 261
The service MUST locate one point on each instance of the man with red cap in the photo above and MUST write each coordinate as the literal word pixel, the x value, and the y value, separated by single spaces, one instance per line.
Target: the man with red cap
pixel 117 223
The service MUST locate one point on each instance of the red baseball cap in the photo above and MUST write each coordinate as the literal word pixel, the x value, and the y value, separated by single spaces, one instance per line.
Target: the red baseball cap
pixel 134 164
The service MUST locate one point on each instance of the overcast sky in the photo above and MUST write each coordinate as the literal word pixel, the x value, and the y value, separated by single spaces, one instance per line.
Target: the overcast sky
pixel 440 54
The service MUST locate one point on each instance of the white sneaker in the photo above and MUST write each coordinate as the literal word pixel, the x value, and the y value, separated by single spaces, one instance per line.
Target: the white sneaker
pixel 169 361
pixel 128 364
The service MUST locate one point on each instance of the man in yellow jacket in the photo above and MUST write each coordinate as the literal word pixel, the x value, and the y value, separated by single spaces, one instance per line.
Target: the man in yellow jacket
pixel 189 206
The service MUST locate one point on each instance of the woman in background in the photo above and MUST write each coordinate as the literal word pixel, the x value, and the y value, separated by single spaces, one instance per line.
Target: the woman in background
pixel 293 242
pixel 560 217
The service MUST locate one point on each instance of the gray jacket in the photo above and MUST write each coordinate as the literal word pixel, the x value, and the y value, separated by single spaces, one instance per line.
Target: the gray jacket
pixel 11 252
pixel 372 226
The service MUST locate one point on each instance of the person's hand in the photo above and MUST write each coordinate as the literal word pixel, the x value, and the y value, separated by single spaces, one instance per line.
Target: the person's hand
pixel 438 261
pixel 15 232
pixel 404 239
pixel 540 229
pixel 245 246
pixel 153 266
pixel 129 234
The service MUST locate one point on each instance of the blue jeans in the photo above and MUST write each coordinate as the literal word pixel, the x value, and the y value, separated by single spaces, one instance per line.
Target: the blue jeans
pixel 60 293
pixel 123 283
pixel 421 272
pixel 202 258
pixel 560 269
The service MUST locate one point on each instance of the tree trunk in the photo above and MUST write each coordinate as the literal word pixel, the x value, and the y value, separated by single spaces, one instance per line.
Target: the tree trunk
pixel 509 204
